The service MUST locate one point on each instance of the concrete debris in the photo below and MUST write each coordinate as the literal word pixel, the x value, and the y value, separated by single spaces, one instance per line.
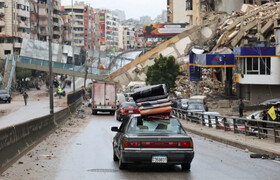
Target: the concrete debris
pixel 80 113
pixel 249 26
pixel 263 156
pixel 208 86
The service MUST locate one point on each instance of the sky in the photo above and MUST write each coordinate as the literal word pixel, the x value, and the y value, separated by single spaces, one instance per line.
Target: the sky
pixel 133 8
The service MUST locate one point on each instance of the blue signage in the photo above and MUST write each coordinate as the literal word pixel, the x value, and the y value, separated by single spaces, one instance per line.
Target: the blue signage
pixel 254 51
pixel 195 73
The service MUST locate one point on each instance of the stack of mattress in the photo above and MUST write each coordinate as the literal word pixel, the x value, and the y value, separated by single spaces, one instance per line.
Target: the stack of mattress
pixel 152 100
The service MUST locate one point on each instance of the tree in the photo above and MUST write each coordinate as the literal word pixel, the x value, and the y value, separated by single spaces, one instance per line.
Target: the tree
pixel 22 73
pixel 164 71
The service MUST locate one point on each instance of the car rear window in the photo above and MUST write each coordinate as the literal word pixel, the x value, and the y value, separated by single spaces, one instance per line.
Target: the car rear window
pixel 127 104
pixel 196 107
pixel 139 125
pixel 3 92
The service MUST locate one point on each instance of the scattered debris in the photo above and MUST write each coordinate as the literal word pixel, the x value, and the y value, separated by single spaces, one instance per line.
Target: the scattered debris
pixel 20 162
pixel 263 156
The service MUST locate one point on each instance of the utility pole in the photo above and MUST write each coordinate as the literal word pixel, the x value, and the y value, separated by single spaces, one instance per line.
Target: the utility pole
pixel 50 56
pixel 72 43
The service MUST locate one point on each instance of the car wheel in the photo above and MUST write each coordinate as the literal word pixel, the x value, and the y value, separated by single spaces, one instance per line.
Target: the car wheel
pixel 9 101
pixel 121 164
pixel 115 158
pixel 186 166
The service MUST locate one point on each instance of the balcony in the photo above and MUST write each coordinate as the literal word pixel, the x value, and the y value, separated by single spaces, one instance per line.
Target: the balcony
pixel 23 24
pixel 56 32
pixel 43 23
pixel 17 45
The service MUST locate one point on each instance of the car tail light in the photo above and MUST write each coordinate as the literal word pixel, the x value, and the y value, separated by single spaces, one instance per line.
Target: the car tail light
pixel 130 144
pixel 113 107
pixel 94 106
pixel 136 111
pixel 122 110
pixel 188 144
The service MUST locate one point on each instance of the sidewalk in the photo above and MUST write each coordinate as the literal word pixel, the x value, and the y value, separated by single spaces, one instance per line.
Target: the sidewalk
pixel 247 143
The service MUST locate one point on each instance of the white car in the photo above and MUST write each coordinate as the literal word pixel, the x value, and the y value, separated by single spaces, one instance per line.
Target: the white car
pixel 212 116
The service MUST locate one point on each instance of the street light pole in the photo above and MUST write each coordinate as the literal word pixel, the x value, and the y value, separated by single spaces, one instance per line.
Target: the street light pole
pixel 73 55
pixel 50 57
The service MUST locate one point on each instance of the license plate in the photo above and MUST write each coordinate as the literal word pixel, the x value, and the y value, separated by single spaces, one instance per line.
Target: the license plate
pixel 130 111
pixel 159 159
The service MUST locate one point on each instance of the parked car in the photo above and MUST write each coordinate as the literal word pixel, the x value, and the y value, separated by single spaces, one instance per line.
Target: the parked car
pixel 230 127
pixel 183 104
pixel 270 101
pixel 125 109
pixel 5 96
pixel 212 116
pixel 257 115
pixel 152 141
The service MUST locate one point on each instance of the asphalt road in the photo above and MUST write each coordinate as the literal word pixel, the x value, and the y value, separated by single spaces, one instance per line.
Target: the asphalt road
pixel 82 149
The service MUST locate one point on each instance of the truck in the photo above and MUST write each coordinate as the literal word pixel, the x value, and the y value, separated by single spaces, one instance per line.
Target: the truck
pixel 104 97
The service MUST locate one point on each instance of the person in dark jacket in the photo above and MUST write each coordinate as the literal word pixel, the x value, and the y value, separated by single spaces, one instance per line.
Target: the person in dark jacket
pixel 25 97
pixel 241 108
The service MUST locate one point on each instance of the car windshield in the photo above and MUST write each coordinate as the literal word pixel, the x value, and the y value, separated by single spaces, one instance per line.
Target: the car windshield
pixel 198 107
pixel 127 104
pixel 3 92
pixel 139 125
pixel 184 101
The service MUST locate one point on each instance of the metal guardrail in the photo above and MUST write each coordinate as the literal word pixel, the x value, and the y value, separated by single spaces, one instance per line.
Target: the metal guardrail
pixel 64 66
pixel 259 128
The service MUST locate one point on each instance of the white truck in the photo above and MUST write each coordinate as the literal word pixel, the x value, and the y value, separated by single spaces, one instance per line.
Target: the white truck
pixel 104 97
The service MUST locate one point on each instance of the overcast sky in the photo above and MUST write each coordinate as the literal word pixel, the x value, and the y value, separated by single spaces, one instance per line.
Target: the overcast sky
pixel 133 8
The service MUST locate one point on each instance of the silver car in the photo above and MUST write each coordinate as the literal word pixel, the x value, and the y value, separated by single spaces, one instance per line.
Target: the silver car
pixel 153 141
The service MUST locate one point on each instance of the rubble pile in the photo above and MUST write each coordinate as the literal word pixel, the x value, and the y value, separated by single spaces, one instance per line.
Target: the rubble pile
pixel 250 25
pixel 208 86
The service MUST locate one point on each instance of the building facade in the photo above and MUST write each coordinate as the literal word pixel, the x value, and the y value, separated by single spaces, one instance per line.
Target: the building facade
pixel 82 26
pixel 14 25
pixel 109 34
pixel 257 77
pixel 192 11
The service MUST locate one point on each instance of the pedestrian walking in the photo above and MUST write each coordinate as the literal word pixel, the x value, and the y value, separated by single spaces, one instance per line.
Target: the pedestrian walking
pixel 25 97
pixel 241 108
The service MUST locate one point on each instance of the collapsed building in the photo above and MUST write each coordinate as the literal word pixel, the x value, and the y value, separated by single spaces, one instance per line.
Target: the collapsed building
pixel 250 34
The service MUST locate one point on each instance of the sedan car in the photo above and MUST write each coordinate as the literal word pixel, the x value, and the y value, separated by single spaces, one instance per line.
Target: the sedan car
pixel 152 141
pixel 183 104
pixel 212 116
pixel 125 109
pixel 230 126
pixel 5 96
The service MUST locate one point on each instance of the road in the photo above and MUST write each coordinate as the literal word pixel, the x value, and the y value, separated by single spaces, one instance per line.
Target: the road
pixel 37 105
pixel 82 149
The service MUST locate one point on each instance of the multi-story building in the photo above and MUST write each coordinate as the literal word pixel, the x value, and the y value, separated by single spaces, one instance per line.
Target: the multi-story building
pixel 39 20
pixel 192 11
pixel 82 26
pixel 66 29
pixel 14 25
pixel 139 37
pixel 108 30
pixel 145 20
pixel 126 37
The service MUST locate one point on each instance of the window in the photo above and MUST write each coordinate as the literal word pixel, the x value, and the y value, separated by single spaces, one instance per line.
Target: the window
pixel 256 65
pixel 189 5
pixel 6 52
pixel 140 125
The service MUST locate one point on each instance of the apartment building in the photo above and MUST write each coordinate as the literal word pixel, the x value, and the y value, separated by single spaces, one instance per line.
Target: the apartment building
pixel 83 24
pixel 111 31
pixel 14 25
pixel 126 37
pixel 192 11
pixel 66 29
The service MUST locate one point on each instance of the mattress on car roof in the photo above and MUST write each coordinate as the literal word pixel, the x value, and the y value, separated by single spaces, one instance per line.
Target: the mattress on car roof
pixel 148 103
pixel 158 110
pixel 149 91
pixel 152 98
pixel 152 106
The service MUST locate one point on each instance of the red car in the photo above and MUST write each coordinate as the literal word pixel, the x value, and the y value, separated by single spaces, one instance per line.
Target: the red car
pixel 125 109
pixel 240 127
